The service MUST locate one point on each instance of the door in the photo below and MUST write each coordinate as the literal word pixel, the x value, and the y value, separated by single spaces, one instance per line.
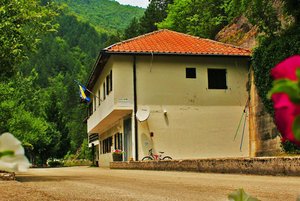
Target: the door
pixel 127 139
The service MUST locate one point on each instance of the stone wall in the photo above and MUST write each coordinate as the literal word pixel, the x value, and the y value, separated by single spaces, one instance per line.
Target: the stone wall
pixel 7 175
pixel 264 136
pixel 261 166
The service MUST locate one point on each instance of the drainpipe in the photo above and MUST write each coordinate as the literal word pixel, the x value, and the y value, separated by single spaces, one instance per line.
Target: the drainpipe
pixel 135 109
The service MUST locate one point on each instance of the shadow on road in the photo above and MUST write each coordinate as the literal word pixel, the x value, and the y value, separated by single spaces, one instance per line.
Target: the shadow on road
pixel 30 178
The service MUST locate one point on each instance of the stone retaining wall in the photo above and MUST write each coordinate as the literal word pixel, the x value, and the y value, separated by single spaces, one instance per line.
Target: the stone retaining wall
pixel 7 175
pixel 261 165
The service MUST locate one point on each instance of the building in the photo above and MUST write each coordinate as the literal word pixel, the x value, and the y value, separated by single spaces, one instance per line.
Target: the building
pixel 189 94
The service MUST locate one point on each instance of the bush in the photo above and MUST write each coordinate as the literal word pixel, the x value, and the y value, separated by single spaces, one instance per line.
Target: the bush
pixel 55 163
pixel 80 162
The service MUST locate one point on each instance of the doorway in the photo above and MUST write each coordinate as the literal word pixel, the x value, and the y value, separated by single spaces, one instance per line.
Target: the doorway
pixel 127 139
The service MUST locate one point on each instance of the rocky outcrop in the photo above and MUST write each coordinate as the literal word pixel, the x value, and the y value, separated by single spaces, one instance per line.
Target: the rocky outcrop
pixel 240 33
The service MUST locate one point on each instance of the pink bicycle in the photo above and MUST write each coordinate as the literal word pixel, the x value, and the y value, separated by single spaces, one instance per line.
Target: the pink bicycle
pixel 159 156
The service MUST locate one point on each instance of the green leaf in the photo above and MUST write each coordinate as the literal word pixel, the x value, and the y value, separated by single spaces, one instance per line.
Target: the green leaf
pixel 241 195
pixel 298 73
pixel 296 127
pixel 286 86
pixel 7 153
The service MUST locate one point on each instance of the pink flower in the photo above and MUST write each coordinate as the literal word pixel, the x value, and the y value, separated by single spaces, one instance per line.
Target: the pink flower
pixel 285 109
pixel 287 68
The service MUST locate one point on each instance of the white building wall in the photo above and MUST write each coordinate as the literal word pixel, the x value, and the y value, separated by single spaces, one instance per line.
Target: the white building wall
pixel 199 122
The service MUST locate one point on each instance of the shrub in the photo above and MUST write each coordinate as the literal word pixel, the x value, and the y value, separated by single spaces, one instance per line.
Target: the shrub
pixel 55 163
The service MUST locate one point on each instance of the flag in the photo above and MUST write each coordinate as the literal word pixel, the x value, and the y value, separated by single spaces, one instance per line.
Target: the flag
pixel 82 94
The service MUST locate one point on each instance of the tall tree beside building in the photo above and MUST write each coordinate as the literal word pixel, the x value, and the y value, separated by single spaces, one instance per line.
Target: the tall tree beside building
pixel 196 17
pixel 155 13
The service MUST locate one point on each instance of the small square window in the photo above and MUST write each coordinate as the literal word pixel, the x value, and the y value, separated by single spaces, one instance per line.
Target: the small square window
pixel 190 73
pixel 217 79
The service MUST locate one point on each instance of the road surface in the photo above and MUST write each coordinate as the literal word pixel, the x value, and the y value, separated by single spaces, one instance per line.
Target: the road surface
pixel 85 183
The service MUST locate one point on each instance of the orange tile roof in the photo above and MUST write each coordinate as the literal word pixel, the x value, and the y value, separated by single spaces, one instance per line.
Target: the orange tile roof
pixel 170 42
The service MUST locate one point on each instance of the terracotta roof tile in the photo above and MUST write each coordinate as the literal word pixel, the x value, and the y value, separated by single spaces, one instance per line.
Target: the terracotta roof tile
pixel 170 42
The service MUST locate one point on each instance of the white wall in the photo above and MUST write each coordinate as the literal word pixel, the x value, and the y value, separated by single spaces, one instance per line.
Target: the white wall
pixel 200 122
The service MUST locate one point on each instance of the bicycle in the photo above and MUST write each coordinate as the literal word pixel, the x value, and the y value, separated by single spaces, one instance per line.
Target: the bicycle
pixel 159 156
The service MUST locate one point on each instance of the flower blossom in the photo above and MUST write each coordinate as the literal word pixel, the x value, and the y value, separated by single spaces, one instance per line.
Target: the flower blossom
pixel 12 158
pixel 286 110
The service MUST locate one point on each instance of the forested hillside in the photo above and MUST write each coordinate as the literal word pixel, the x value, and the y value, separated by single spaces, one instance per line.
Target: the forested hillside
pixel 44 48
pixel 104 15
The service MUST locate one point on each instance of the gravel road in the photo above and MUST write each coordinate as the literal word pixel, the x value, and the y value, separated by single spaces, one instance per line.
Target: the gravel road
pixel 85 183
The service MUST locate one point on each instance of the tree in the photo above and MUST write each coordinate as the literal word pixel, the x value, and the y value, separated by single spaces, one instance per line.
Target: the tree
pixel 132 30
pixel 18 19
pixel 155 13
pixel 21 113
pixel 292 7
pixel 196 17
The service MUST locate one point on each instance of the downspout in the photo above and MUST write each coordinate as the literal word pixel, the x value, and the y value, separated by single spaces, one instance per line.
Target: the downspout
pixel 135 109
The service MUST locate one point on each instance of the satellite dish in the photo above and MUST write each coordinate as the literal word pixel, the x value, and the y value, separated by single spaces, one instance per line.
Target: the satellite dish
pixel 143 114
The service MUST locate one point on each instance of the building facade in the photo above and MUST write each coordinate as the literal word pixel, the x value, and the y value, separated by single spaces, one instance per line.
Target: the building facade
pixel 169 92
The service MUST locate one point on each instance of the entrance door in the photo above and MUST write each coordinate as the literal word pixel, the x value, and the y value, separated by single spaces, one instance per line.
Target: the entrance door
pixel 127 139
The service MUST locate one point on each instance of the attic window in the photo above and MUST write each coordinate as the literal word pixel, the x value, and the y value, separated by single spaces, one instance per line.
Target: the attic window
pixel 190 73
pixel 217 78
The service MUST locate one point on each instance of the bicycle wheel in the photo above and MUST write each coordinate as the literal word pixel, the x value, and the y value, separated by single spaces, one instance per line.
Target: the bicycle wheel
pixel 167 158
pixel 147 158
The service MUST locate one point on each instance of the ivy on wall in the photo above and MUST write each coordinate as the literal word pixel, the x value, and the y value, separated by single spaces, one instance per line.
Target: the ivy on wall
pixel 271 51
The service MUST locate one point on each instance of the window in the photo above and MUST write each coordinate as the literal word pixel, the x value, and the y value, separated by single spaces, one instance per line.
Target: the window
pixel 190 73
pixel 101 149
pixel 118 141
pixel 95 102
pixel 99 100
pixel 110 81
pixel 90 109
pixel 107 85
pixel 104 89
pixel 217 79
pixel 107 143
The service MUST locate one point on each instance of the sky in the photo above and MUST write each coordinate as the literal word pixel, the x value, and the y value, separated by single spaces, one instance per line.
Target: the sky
pixel 140 3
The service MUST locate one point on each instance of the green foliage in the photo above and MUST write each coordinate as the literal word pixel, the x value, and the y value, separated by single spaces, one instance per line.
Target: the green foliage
pixel 241 195
pixel 17 19
pixel 155 13
pixel 22 115
pixel 196 17
pixel 133 29
pixel 271 51
pixel 287 86
pixel 85 151
pixel 7 153
pixel 55 163
pixel 104 15
pixel 80 162
pixel 292 7
pixel 296 127
pixel 263 14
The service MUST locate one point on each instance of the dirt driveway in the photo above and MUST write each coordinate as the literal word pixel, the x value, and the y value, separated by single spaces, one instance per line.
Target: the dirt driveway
pixel 84 183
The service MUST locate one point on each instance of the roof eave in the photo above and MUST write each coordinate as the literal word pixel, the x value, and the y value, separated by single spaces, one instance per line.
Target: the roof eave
pixel 174 54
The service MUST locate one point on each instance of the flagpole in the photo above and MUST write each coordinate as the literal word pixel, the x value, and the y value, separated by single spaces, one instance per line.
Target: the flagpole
pixel 87 89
